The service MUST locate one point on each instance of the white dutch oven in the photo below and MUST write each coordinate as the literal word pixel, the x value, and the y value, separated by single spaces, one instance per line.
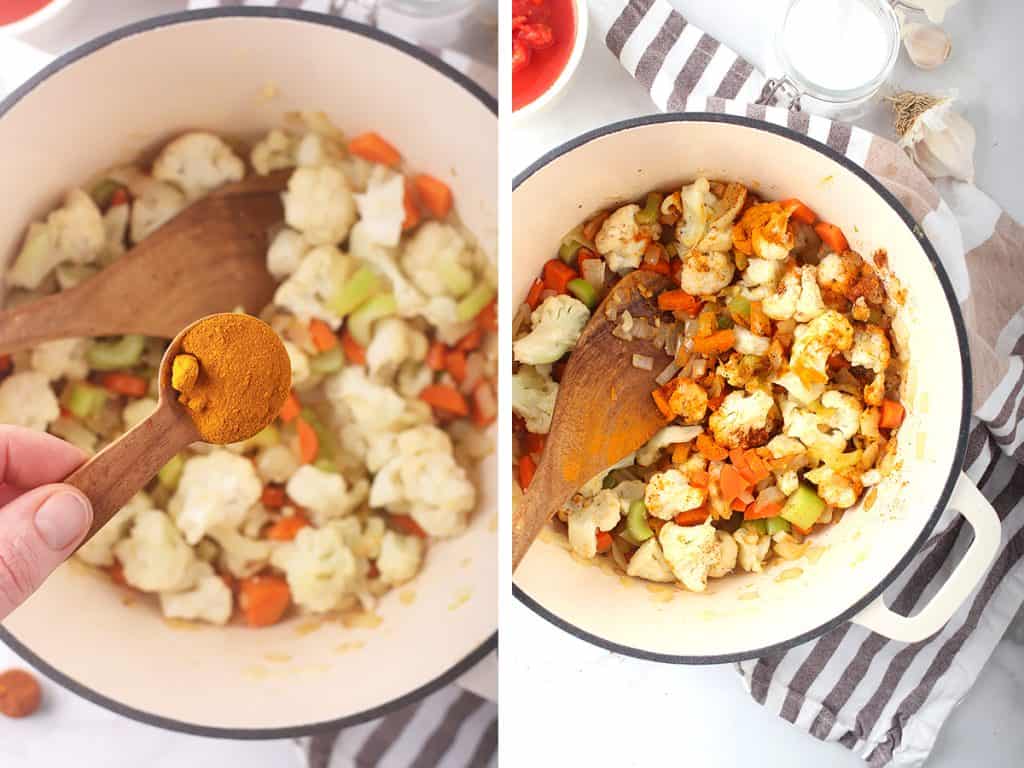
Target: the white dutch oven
pixel 844 574
pixel 218 70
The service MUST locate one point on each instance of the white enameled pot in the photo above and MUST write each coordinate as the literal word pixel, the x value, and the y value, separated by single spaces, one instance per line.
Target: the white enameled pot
pixel 844 574
pixel 237 72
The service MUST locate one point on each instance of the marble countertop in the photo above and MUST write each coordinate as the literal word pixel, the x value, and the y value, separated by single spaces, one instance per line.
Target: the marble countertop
pixel 702 714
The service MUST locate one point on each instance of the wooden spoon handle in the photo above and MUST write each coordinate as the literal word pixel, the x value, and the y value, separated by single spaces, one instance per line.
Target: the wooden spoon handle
pixel 546 495
pixel 59 316
pixel 122 469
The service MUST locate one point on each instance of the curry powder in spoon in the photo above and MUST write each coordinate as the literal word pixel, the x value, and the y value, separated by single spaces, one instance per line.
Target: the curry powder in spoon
pixel 233 374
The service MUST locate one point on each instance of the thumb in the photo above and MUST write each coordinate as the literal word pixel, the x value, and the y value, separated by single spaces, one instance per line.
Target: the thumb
pixel 38 531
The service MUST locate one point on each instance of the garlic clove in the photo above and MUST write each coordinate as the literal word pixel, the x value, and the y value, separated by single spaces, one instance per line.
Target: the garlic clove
pixel 927 45
pixel 940 140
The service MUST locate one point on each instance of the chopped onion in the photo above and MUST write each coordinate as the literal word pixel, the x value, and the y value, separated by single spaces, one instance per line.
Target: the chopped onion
pixel 692 326
pixel 700 367
pixel 643 362
pixel 486 405
pixel 666 375
pixel 474 372
pixel 642 329
pixel 593 272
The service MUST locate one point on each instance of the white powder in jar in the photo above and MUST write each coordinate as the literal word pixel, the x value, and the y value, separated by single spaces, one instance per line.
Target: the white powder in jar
pixel 839 45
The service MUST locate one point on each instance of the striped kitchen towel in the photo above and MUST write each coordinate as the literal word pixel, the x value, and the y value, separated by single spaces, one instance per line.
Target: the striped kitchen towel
pixel 884 700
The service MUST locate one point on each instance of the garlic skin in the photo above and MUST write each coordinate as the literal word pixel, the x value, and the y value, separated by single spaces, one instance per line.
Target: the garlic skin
pixel 938 138
pixel 927 45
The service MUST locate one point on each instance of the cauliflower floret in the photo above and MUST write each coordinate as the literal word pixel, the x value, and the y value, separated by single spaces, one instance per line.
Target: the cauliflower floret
pixel 740 370
pixel 788 482
pixel 747 343
pixel 648 562
pixel 706 273
pixel 803 393
pixel 810 304
pixel 74 232
pixel 285 253
pixel 274 152
pixel 276 463
pixel 364 537
pixel 726 557
pixel 869 419
pixel 691 551
pixel 306 292
pixel 797 295
pixel 319 204
pixel 382 209
pixel 826 432
pixel 838 272
pixel 400 558
pixel 198 163
pixel 668 493
pixel 371 407
pixel 744 420
pixel 324 494
pixel 393 343
pixel 533 398
pixel 719 233
pixel 155 556
pixel 315 149
pixel 63 358
pixel 319 567
pixel 762 272
pixel 99 550
pixel 240 555
pixel 649 453
pixel 689 401
pixel 137 411
pixel 557 325
pixel 753 549
pixel 697 202
pixel 782 446
pixel 622 241
pixel 871 350
pixel 600 513
pixel 836 489
pixel 423 480
pixel 843 412
pixel 115 229
pixel 413 377
pixel 156 203
pixel 439 260
pixel 215 490
pixel 299 362
pixel 209 600
pixel 774 238
pixel 815 342
pixel 26 400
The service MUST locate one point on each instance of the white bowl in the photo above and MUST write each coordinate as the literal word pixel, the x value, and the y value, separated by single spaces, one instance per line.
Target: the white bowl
pixel 557 88
pixel 748 615
pixel 127 92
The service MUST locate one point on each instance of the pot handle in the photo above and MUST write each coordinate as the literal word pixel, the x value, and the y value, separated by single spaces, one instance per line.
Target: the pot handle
pixel 970 503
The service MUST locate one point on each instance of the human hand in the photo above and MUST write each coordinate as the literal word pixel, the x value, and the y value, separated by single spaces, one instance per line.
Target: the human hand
pixel 41 519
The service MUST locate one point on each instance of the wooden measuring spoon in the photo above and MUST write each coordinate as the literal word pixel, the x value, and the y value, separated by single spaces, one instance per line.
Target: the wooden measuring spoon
pixel 211 257
pixel 604 409
pixel 122 469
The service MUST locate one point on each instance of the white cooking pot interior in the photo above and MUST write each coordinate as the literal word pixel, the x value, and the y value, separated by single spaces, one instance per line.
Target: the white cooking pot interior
pixel 743 614
pixel 238 75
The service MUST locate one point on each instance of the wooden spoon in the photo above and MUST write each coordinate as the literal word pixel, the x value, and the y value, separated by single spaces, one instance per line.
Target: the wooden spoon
pixel 604 409
pixel 211 257
pixel 122 469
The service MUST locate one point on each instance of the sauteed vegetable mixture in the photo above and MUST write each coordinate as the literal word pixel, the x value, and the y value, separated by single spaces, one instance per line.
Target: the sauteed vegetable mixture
pixel 781 402
pixel 386 306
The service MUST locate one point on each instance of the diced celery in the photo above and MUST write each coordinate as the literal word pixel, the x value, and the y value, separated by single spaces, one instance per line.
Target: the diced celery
pixel 85 400
pixel 803 508
pixel 103 193
pixel 652 207
pixel 36 258
pixel 360 322
pixel 473 302
pixel 760 527
pixel 328 445
pixel 456 278
pixel 583 291
pixel 354 291
pixel 327 362
pixel 777 525
pixel 114 355
pixel 267 437
pixel 326 465
pixel 739 305
pixel 636 522
pixel 568 250
pixel 170 473
pixel 724 321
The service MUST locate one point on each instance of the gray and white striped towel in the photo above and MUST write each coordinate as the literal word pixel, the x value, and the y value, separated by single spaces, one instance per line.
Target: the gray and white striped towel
pixel 451 728
pixel 884 700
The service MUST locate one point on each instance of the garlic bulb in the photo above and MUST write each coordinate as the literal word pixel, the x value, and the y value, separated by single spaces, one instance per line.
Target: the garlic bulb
pixel 937 138
pixel 927 45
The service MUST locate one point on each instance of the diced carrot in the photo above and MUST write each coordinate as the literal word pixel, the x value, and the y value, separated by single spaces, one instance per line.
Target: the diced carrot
pixel 799 211
pixel 470 341
pixel 455 363
pixel 716 343
pixel 322 335
pixel 656 524
pixel 661 266
pixel 273 497
pixel 487 320
pixel 287 528
pixel 762 511
pixel 534 294
pixel 715 402
pixel 371 146
pixel 691 517
pixel 604 541
pixel 309 443
pixel 120 197
pixel 6 363
pixel 263 599
pixel 672 301
pixel 445 398
pixel 593 225
pixel 892 414
pixel 739 460
pixel 435 195
pixel 407 525
pixel 662 402
pixel 675 267
pixel 732 483
pixel 699 478
pixel 739 505
pixel 557 275
pixel 125 384
pixel 527 469
pixel 485 404
pixel 680 453
pixel 291 408
pixel 533 443
pixel 412 212
pixel 832 236
pixel 758 468
pixel 436 356
pixel 709 449
pixel 354 351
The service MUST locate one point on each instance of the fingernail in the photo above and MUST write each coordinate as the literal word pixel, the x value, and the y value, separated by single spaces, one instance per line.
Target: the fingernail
pixel 62 519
